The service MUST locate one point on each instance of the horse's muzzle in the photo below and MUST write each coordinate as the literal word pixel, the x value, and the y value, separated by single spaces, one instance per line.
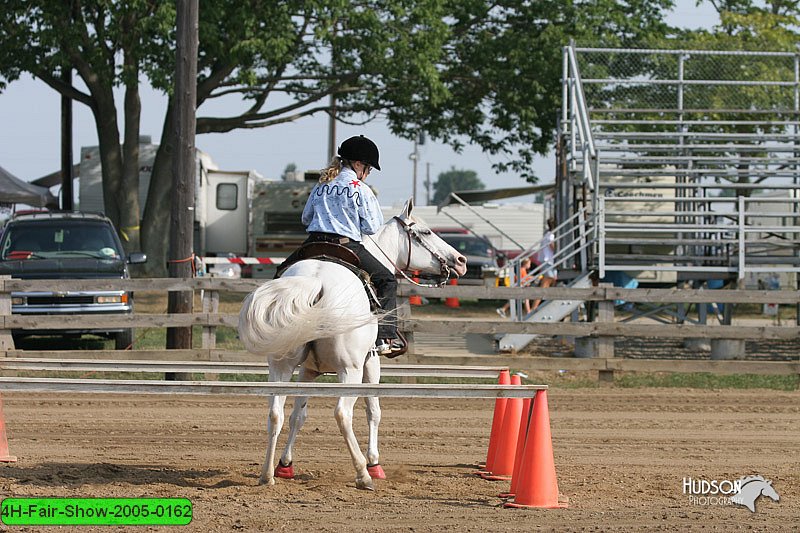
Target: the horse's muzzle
pixel 459 266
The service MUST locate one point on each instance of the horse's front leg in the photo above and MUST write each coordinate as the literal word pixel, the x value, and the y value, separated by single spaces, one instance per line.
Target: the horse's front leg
pixel 372 374
pixel 274 423
pixel 344 418
pixel 296 421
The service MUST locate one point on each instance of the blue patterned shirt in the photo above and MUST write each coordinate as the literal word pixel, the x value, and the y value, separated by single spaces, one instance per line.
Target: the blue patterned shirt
pixel 345 206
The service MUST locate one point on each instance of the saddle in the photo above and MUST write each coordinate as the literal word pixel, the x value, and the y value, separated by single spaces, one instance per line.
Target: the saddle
pixel 334 253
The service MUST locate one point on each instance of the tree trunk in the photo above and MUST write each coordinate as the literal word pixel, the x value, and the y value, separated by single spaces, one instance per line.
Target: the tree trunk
pixel 105 114
pixel 129 190
pixel 155 220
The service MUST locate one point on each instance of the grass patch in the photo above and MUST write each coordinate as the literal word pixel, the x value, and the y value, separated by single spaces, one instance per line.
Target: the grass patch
pixel 704 380
pixel 143 339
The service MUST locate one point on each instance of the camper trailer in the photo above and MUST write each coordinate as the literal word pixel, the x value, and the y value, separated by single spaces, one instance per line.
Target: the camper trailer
pixel 222 198
pixel 236 212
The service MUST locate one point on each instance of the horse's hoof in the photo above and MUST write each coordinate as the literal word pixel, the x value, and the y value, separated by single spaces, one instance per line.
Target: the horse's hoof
pixel 265 481
pixel 365 484
pixel 376 472
pixel 284 472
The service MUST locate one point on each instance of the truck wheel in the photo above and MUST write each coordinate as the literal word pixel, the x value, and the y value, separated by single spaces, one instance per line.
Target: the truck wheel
pixel 123 340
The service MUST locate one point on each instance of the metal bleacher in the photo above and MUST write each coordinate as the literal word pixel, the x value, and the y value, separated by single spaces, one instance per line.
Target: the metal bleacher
pixel 676 168
pixel 687 162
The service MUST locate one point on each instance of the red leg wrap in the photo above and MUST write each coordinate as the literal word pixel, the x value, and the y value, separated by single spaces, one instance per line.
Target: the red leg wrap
pixel 376 472
pixel 284 472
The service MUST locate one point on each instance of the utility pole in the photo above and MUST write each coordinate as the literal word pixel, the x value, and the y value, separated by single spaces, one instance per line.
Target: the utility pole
pixel 427 183
pixel 332 130
pixel 181 256
pixel 332 114
pixel 413 157
pixel 66 145
pixel 419 139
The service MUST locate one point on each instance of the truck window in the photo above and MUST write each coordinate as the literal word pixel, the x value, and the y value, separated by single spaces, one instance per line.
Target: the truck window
pixel 40 240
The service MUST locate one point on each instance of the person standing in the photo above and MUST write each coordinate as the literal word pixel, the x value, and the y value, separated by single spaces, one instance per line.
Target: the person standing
pixel 523 281
pixel 341 208
pixel 546 259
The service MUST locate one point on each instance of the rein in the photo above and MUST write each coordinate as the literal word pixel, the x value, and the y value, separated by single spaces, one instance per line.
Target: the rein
pixel 414 235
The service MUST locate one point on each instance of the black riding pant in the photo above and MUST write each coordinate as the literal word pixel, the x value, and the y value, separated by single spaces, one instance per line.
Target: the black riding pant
pixel 384 280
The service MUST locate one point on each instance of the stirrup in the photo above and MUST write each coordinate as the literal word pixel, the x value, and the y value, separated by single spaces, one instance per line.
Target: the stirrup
pixel 391 347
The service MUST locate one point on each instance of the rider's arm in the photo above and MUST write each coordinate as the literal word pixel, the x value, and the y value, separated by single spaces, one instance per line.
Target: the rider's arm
pixel 308 210
pixel 370 215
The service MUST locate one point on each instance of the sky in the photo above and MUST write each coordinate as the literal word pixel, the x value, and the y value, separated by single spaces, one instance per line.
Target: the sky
pixel 30 137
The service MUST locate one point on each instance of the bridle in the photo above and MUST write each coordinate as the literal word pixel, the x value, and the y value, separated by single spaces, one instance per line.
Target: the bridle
pixel 414 235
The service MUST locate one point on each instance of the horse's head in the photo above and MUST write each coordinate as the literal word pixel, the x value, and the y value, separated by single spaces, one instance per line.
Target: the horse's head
pixel 768 491
pixel 751 488
pixel 425 251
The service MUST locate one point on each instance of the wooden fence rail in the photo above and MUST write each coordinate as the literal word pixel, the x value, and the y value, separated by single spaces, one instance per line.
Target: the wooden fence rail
pixel 397 390
pixel 209 318
pixel 406 289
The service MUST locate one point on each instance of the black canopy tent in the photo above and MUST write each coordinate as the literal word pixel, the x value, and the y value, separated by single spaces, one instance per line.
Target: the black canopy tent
pixel 15 191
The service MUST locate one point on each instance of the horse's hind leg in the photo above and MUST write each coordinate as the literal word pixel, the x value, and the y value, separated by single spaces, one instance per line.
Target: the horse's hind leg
pixel 274 423
pixel 344 418
pixel 372 374
pixel 296 421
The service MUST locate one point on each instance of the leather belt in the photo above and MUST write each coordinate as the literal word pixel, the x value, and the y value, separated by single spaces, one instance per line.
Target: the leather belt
pixel 329 237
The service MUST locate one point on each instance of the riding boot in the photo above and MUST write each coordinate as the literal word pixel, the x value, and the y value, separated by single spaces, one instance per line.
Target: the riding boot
pixel 389 341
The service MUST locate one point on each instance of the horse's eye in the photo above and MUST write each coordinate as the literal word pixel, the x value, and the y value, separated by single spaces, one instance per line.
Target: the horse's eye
pixel 425 232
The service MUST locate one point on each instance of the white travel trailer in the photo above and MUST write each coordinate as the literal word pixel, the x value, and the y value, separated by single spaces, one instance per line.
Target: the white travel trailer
pixel 222 198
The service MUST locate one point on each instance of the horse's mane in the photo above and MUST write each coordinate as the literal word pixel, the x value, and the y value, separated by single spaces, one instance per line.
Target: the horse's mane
pixel 749 479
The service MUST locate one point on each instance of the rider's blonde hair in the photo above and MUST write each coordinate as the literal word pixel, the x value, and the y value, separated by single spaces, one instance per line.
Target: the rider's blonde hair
pixel 332 170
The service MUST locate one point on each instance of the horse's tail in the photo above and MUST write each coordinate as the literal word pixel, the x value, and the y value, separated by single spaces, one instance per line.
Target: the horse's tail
pixel 286 313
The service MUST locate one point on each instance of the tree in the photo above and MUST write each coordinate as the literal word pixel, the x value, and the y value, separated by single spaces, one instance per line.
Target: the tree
pixel 463 71
pixel 291 168
pixel 455 180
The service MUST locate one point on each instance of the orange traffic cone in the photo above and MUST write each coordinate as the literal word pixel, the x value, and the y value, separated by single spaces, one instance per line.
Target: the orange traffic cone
pixel 503 464
pixel 497 421
pixel 524 424
pixel 538 486
pixel 415 300
pixel 452 302
pixel 4 457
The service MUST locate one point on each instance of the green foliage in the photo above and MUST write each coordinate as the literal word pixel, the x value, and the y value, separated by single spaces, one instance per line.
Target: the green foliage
pixel 460 70
pixel 290 168
pixel 463 71
pixel 455 180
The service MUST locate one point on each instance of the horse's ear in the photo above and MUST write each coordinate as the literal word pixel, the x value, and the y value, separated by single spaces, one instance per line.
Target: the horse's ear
pixel 408 207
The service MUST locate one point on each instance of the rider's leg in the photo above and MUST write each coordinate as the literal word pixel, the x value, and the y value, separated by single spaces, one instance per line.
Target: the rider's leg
pixel 386 287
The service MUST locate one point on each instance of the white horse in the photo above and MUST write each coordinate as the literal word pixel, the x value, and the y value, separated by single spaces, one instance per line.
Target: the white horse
pixel 318 315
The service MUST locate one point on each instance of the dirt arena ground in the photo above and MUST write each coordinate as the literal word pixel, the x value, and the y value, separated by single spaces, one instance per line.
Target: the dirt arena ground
pixel 621 456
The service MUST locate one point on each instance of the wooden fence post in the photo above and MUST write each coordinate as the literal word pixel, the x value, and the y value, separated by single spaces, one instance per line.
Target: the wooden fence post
pixel 722 348
pixel 210 304
pixel 601 347
pixel 6 340
pixel 404 312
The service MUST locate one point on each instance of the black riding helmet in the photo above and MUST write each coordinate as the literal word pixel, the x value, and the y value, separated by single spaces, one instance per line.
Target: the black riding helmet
pixel 359 148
